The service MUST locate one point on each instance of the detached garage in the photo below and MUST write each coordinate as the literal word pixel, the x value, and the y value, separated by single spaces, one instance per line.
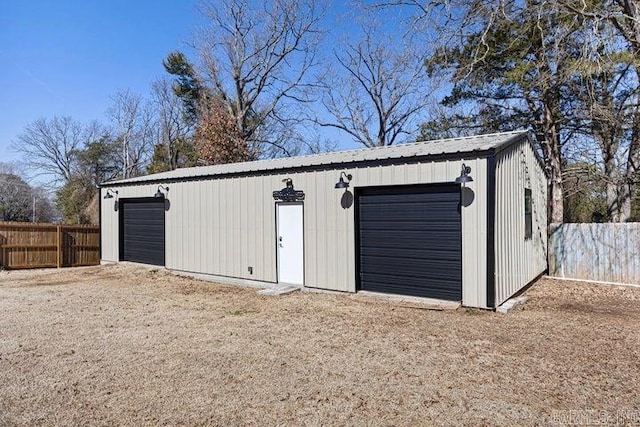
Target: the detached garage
pixel 460 219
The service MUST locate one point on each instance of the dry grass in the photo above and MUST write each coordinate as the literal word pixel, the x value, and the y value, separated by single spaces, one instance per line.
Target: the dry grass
pixel 122 345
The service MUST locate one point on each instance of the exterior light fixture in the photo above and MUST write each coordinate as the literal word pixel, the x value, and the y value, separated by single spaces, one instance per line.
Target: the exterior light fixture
pixel 341 182
pixel 288 193
pixel 159 194
pixel 110 194
pixel 464 175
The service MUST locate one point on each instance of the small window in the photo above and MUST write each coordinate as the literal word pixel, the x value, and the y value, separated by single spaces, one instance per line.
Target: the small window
pixel 528 225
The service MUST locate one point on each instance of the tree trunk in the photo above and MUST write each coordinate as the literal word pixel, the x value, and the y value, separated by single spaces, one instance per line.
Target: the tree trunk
pixel 624 203
pixel 618 192
pixel 553 161
pixel 611 184
pixel 555 196
pixel 618 201
pixel 618 183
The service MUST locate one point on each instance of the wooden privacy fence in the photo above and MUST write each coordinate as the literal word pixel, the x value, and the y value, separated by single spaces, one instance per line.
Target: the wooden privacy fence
pixel 26 245
pixel 608 252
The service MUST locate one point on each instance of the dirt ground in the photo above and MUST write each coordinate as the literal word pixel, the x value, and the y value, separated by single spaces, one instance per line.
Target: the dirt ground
pixel 125 345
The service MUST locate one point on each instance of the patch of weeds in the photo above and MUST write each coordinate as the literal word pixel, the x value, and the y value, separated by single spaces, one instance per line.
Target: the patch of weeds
pixel 473 311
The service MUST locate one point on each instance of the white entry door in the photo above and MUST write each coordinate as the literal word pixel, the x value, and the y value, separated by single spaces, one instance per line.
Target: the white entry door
pixel 290 243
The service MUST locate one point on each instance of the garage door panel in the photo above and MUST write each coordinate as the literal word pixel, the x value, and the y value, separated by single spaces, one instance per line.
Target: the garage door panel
pixel 399 278
pixel 417 214
pixel 407 197
pixel 426 256
pixel 410 240
pixel 425 234
pixel 420 284
pixel 143 231
pixel 136 227
pixel 378 237
pixel 404 267
pixel 144 256
pixel 393 246
pixel 411 226
pixel 393 277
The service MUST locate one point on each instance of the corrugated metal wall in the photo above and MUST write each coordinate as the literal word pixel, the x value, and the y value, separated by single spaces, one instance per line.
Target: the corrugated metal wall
pixel 223 226
pixel 603 252
pixel 518 260
pixel 109 227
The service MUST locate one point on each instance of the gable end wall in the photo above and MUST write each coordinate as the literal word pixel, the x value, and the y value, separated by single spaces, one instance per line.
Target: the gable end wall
pixel 518 261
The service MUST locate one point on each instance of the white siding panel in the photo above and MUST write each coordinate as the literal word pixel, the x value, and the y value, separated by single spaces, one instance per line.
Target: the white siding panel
pixel 310 232
pixel 222 227
pixel 212 259
pixel 518 260
pixel 474 236
pixel 109 228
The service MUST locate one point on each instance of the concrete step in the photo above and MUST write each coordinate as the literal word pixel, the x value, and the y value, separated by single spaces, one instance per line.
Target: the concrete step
pixel 279 290
pixel 509 304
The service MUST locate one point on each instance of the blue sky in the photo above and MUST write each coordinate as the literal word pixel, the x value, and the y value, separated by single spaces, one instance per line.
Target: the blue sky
pixel 69 57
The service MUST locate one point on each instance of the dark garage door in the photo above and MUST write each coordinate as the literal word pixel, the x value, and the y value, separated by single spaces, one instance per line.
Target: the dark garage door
pixel 410 241
pixel 142 231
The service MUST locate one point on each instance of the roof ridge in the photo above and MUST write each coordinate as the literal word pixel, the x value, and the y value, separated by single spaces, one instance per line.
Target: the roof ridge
pixel 383 147
pixel 483 135
pixel 428 147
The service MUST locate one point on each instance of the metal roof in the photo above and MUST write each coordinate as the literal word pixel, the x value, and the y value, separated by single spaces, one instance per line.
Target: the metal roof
pixel 453 146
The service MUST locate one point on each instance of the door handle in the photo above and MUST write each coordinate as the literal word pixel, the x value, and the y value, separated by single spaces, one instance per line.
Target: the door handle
pixel 280 242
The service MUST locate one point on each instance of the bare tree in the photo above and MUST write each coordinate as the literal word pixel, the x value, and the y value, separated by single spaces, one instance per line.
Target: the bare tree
pixel 134 128
pixel 601 95
pixel 48 146
pixel 21 202
pixel 605 128
pixel 378 89
pixel 173 130
pixel 256 57
pixel 624 15
pixel 607 91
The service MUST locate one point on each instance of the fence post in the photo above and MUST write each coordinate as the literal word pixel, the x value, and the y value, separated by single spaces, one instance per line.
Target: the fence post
pixel 59 239
pixel 2 252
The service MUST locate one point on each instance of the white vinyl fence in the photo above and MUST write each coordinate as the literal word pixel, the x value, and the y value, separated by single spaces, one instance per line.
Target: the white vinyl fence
pixel 608 252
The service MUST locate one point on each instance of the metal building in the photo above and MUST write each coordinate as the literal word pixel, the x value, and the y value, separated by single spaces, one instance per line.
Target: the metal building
pixel 460 219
